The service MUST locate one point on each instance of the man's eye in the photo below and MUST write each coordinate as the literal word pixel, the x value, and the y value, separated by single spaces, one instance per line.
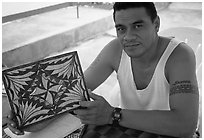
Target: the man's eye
pixel 137 26
pixel 120 29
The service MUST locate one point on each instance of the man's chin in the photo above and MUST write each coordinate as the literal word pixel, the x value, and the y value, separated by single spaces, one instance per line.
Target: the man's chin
pixel 132 52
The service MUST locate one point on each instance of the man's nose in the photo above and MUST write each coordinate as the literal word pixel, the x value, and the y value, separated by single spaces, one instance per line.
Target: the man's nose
pixel 129 35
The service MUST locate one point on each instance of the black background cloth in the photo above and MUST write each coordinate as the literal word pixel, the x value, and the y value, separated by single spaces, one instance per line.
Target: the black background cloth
pixel 109 131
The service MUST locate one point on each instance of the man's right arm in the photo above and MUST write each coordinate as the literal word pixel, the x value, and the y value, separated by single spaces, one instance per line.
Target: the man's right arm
pixel 101 68
pixel 96 73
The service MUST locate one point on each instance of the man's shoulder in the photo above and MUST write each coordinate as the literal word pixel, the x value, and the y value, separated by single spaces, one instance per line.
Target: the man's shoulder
pixel 113 47
pixel 114 44
pixel 183 55
pixel 181 64
pixel 182 52
pixel 113 52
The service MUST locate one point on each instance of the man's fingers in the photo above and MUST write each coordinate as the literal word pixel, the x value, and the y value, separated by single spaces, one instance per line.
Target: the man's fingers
pixel 15 130
pixel 87 104
pixel 9 121
pixel 10 115
pixel 86 119
pixel 12 125
pixel 83 112
pixel 95 96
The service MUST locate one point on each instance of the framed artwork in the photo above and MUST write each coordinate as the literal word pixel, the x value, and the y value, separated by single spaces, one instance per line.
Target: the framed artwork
pixel 41 90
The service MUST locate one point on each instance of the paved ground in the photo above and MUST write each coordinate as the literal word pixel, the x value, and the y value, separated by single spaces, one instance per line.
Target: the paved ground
pixel 37 27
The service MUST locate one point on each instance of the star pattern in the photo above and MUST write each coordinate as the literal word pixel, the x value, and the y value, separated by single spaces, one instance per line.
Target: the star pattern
pixel 44 89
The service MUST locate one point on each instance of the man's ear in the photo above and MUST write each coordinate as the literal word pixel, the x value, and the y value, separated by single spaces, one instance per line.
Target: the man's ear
pixel 157 23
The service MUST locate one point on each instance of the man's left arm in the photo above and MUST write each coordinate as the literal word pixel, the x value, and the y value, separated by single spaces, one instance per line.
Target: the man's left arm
pixel 181 119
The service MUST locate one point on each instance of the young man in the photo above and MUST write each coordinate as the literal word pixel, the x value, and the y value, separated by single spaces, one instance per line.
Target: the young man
pixel 156 74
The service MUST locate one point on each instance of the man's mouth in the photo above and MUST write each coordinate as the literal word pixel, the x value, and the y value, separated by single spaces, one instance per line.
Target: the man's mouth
pixel 131 45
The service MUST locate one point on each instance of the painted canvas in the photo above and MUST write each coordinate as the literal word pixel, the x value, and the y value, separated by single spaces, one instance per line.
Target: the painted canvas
pixel 46 88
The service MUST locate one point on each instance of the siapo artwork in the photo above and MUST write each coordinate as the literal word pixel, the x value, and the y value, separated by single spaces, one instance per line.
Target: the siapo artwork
pixel 46 88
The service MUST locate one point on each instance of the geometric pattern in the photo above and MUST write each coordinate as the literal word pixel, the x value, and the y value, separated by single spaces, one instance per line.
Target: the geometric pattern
pixel 40 90
pixel 109 131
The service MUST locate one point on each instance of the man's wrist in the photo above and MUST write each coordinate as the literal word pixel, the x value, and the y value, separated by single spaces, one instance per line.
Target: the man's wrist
pixel 110 121
pixel 116 116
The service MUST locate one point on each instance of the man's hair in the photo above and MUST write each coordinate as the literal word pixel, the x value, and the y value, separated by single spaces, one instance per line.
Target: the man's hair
pixel 149 6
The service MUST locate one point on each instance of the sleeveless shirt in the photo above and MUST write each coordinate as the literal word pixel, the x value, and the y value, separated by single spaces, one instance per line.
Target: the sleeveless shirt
pixel 156 95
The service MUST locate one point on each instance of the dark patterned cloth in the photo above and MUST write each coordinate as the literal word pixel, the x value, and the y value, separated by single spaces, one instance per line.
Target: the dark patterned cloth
pixel 77 133
pixel 108 131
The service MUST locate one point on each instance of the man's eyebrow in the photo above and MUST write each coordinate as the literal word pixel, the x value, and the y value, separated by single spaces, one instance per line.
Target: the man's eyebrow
pixel 136 22
pixel 118 25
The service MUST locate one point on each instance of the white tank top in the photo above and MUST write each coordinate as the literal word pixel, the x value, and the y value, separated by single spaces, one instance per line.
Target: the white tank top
pixel 156 95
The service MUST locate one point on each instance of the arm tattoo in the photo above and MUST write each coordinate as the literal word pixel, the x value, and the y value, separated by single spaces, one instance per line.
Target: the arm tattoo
pixel 183 87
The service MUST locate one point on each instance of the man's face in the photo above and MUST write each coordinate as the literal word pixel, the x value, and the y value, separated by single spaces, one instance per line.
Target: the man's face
pixel 135 30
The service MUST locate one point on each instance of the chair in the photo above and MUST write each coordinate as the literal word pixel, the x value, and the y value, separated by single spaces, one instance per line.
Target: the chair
pixel 193 37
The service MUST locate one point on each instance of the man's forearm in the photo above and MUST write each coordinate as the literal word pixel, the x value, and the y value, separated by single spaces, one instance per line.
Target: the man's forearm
pixel 170 123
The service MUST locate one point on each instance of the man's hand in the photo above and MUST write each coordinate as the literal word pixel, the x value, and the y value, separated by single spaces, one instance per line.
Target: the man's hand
pixel 97 112
pixel 32 128
pixel 12 125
